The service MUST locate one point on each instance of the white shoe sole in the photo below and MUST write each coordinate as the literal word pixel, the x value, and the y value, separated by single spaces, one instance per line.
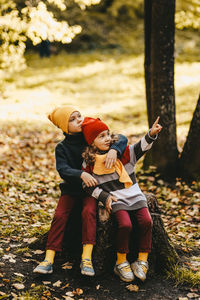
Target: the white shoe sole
pixel 87 274
pixel 42 271
pixel 123 278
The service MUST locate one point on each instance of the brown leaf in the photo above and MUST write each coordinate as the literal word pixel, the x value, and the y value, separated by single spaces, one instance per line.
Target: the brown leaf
pixel 67 266
pixel 46 293
pixel 78 292
pixel 57 283
pixel 132 288
pixel 192 295
pixel 65 286
pixel 19 286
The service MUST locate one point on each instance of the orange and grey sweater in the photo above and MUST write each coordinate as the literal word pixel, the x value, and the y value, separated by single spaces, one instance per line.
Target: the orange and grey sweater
pixel 130 196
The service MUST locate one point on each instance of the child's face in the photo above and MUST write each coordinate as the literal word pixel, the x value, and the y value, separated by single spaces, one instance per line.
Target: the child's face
pixel 102 141
pixel 75 122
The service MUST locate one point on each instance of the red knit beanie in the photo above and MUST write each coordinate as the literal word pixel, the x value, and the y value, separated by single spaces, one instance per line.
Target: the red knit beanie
pixel 91 128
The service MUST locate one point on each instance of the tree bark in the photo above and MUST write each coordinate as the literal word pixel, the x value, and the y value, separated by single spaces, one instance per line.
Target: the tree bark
pixel 147 58
pixel 164 154
pixel 190 157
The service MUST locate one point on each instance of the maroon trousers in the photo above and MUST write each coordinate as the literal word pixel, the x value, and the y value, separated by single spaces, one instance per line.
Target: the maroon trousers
pixel 144 222
pixel 62 213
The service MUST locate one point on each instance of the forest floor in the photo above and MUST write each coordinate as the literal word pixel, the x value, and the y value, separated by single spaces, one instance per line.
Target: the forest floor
pixel 29 193
pixel 108 84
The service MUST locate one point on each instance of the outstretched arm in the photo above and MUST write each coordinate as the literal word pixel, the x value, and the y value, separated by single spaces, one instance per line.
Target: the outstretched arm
pixel 139 149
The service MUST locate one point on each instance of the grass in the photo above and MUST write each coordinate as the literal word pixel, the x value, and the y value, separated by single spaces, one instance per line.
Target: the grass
pixel 182 275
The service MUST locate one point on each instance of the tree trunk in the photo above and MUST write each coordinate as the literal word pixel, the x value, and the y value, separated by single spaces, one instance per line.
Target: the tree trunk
pixel 164 153
pixel 162 257
pixel 190 157
pixel 147 61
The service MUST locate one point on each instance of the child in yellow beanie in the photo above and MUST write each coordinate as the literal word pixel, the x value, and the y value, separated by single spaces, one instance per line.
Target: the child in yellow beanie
pixel 68 164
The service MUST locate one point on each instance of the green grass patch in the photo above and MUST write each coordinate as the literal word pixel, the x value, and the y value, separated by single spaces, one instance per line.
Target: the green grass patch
pixel 182 275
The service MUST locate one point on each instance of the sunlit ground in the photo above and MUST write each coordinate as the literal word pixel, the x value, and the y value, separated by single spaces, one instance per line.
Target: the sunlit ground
pixel 107 85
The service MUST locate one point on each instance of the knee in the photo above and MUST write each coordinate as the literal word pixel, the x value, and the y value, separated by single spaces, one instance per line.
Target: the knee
pixel 147 223
pixel 126 226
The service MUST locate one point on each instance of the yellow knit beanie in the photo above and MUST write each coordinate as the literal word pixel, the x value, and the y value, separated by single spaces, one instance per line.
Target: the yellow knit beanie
pixel 60 116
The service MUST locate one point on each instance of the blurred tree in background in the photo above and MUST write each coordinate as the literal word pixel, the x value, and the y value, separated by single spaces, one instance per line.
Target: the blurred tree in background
pixel 188 14
pixel 160 94
pixel 31 20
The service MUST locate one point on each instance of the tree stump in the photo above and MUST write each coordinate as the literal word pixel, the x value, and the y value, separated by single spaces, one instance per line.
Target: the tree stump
pixel 162 257
pixel 163 254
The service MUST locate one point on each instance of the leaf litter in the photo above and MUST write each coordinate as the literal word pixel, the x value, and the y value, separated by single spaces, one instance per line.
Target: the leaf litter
pixel 29 192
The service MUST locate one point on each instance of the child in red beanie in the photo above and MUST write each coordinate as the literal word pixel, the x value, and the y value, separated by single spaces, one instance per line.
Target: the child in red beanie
pixel 68 164
pixel 118 190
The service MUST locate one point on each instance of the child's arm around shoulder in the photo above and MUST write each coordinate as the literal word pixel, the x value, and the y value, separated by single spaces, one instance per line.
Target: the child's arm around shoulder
pixel 94 191
pixel 139 149
pixel 116 150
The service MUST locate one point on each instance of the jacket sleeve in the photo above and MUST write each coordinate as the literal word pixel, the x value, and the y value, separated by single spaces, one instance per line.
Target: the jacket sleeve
pixel 94 191
pixel 120 145
pixel 140 148
pixel 63 167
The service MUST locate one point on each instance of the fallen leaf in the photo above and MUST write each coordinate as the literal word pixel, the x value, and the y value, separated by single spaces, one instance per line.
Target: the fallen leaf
pixel 46 282
pixel 65 286
pixel 2 293
pixel 19 286
pixel 98 287
pixel 30 240
pixel 78 292
pixel 192 295
pixel 15 296
pixel 67 265
pixel 27 254
pixel 38 252
pixel 70 294
pixel 46 293
pixel 132 288
pixel 19 274
pixel 26 260
pixel 32 285
pixel 68 298
pixel 6 280
pixel 57 283
pixel 183 298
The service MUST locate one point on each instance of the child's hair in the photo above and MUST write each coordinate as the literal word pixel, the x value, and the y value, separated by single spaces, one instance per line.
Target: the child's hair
pixel 91 150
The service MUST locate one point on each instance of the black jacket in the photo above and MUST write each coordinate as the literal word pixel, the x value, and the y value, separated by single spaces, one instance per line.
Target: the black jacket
pixel 69 161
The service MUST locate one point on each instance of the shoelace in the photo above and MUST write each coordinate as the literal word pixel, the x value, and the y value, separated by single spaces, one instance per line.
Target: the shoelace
pixel 44 263
pixel 126 269
pixel 87 263
pixel 144 268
